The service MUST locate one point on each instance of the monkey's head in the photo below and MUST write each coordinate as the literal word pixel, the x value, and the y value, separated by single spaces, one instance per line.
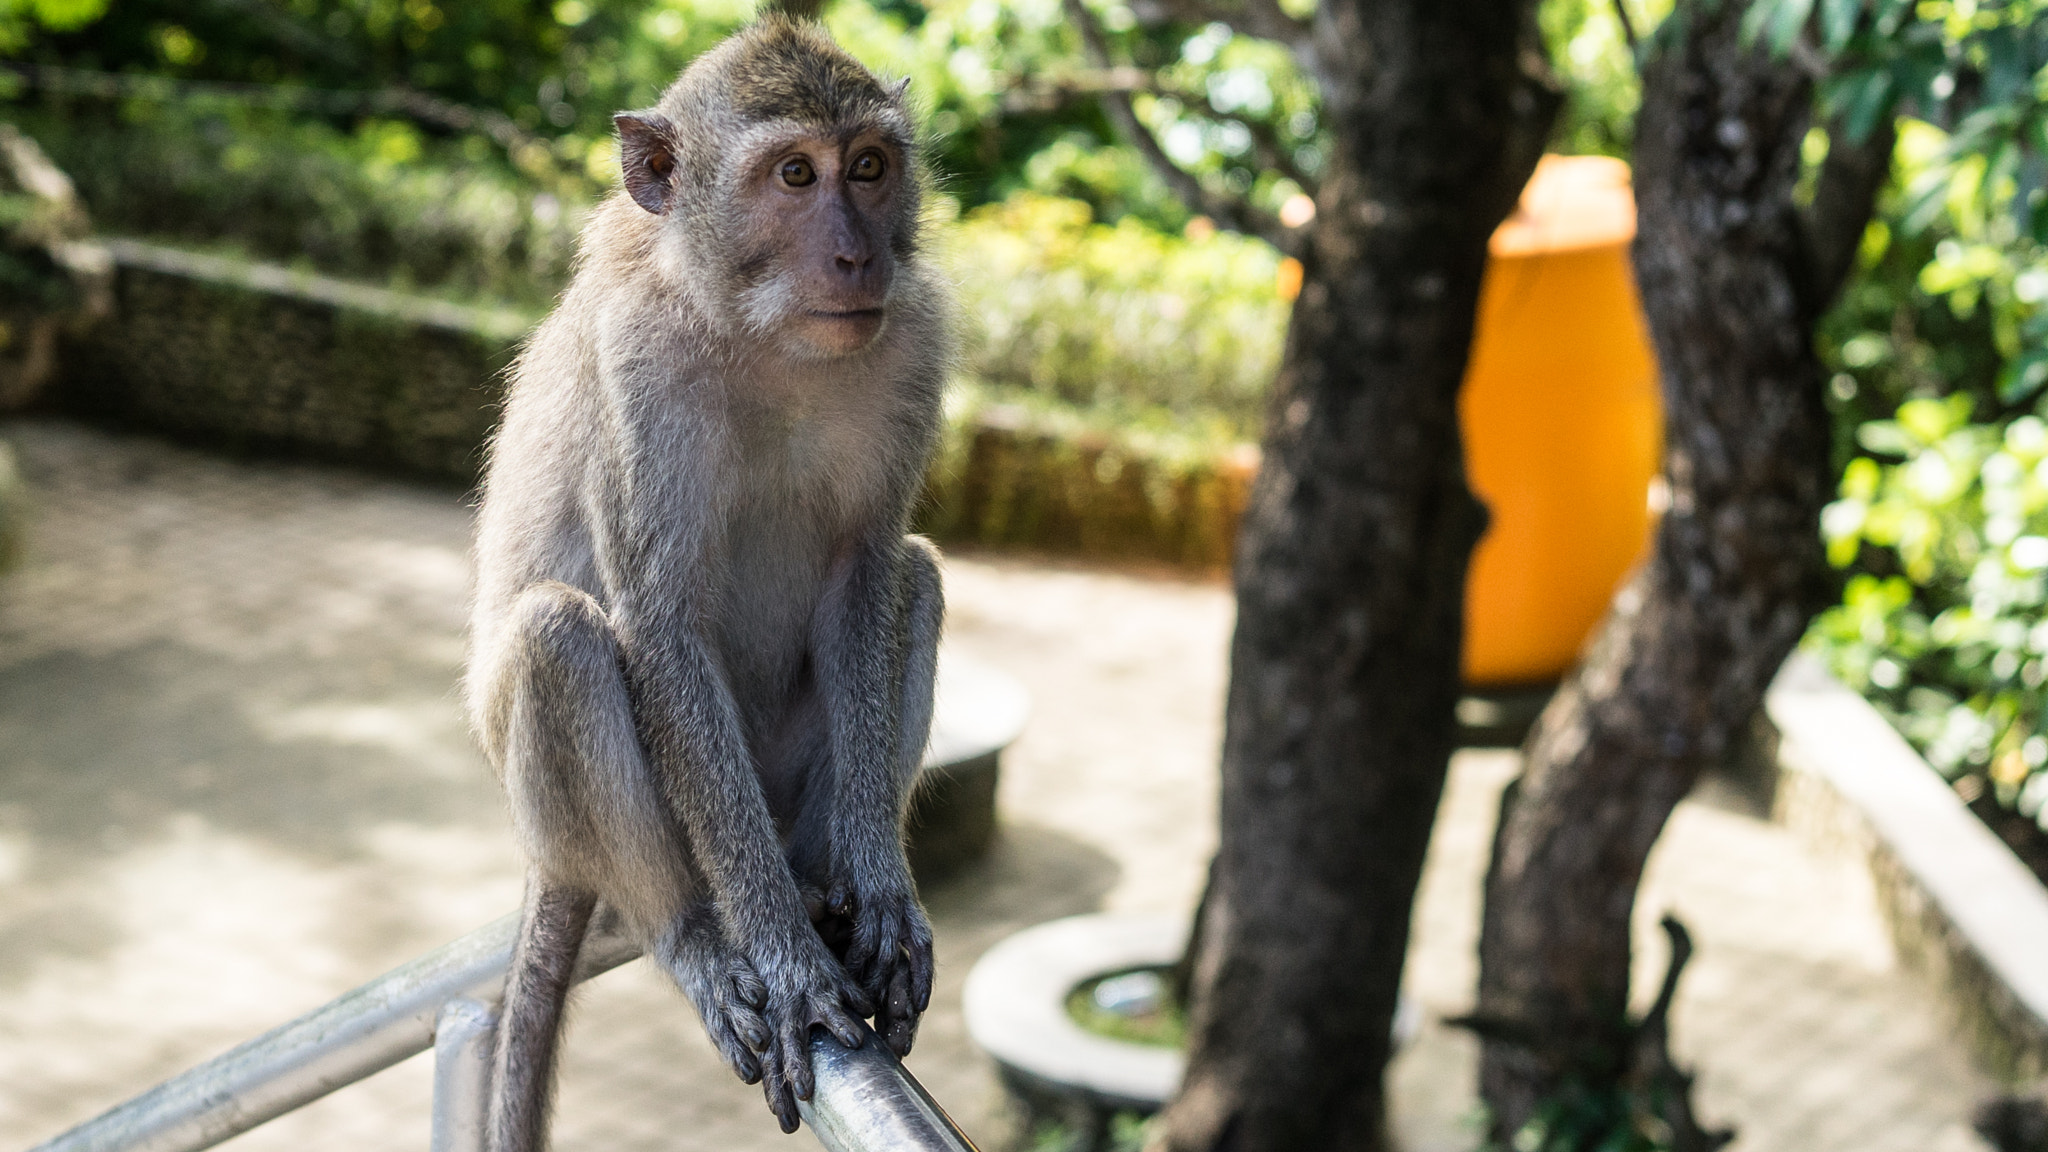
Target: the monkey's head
pixel 788 185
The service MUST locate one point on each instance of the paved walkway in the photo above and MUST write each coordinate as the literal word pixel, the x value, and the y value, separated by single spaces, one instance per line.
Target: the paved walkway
pixel 234 783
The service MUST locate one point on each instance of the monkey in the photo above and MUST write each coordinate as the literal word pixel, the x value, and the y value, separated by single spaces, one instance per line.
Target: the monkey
pixel 703 642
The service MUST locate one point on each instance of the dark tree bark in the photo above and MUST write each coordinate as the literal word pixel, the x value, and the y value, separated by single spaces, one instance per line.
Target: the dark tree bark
pixel 1733 279
pixel 1350 577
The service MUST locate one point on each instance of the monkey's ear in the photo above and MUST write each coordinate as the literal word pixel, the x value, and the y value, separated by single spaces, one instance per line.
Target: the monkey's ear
pixel 647 159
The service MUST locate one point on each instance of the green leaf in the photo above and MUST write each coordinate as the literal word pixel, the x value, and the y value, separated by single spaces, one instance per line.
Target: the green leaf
pixel 1885 438
pixel 1888 13
pixel 1786 23
pixel 1838 23
pixel 1758 16
pixel 1869 98
pixel 2024 377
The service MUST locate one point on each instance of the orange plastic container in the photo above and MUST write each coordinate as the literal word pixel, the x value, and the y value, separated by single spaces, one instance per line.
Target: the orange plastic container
pixel 1563 427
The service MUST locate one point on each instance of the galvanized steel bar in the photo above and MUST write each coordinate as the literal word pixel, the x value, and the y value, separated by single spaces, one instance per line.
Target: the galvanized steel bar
pixel 463 1041
pixel 865 1100
pixel 363 1032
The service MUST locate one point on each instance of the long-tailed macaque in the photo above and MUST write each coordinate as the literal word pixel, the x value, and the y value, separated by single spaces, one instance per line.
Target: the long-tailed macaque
pixel 703 646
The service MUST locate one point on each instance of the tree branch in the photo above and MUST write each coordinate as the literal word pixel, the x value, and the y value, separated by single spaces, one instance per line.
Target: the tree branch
pixel 1628 26
pixel 1036 95
pixel 410 102
pixel 1232 212
pixel 1263 19
pixel 1832 226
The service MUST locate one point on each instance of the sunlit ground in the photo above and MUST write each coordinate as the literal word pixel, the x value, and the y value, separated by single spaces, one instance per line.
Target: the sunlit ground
pixel 234 782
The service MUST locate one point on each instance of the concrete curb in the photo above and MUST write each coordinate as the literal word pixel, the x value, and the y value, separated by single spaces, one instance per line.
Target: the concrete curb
pixel 1961 906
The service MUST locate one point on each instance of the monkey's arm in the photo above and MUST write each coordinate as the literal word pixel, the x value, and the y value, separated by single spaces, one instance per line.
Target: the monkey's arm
pixel 877 646
pixel 690 727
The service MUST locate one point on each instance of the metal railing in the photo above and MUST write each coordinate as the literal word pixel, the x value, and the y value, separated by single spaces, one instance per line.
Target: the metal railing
pixel 865 1100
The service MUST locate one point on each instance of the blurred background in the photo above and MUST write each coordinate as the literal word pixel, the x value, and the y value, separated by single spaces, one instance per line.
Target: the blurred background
pixel 266 259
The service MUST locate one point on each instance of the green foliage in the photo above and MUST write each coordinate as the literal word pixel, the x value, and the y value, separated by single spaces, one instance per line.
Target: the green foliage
pixel 1127 1133
pixel 1583 1119
pixel 1126 321
pixel 1940 349
pixel 1590 54
pixel 1946 628
pixel 380 201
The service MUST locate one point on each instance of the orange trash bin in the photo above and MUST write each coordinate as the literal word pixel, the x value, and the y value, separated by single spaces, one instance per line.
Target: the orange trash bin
pixel 1562 423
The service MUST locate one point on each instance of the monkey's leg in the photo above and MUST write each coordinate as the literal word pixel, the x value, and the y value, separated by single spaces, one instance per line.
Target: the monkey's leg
pixel 551 928
pixel 879 653
pixel 675 841
pixel 592 821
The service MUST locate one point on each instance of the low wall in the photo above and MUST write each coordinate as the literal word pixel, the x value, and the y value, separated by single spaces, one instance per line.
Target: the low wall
pixel 255 357
pixel 259 358
pixel 1961 906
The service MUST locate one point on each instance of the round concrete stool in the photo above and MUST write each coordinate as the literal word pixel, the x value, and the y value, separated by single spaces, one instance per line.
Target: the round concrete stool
pixel 1016 1009
pixel 979 712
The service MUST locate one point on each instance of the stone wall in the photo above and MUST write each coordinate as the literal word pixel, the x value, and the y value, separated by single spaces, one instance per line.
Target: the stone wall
pixel 1961 907
pixel 255 358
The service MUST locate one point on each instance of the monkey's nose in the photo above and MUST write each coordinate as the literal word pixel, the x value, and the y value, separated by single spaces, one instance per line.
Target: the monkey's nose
pixel 853 265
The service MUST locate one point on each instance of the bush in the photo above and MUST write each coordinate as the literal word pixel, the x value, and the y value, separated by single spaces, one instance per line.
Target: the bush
pixel 381 201
pixel 1125 321
pixel 1945 628
pixel 1943 516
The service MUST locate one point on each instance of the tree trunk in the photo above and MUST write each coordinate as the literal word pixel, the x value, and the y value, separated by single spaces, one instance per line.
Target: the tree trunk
pixel 1732 281
pixel 1350 578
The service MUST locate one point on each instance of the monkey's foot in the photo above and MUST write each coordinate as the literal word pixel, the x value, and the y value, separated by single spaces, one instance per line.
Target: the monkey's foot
pixel 890 954
pixel 729 997
pixel 804 991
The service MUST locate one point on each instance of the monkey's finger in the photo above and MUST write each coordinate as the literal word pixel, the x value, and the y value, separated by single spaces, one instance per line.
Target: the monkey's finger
pixel 742 1062
pixel 856 997
pixel 796 1061
pixel 748 986
pixel 899 1019
pixel 921 967
pixel 874 945
pixel 836 1021
pixel 751 1029
pixel 814 903
pixel 840 900
pixel 888 947
pixel 780 1102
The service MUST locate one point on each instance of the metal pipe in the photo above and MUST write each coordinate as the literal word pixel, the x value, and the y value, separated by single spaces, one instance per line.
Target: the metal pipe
pixel 865 1100
pixel 362 1033
pixel 464 1035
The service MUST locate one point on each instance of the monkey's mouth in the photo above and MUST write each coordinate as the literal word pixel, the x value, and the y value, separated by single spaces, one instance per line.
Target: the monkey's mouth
pixel 853 314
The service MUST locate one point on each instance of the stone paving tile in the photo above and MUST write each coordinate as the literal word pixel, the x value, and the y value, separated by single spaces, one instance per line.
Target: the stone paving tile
pixel 234 782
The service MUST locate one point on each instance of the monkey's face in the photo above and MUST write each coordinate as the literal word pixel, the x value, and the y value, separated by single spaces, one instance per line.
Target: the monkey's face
pixel 817 220
pixel 796 231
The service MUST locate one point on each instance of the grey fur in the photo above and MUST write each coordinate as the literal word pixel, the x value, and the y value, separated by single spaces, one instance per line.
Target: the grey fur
pixel 702 645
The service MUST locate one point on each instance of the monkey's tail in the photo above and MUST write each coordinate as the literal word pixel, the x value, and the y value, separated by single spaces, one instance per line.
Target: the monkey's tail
pixel 552 923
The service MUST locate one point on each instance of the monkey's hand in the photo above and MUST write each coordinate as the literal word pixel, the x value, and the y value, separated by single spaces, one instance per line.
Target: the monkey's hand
pixel 889 951
pixel 730 997
pixel 803 987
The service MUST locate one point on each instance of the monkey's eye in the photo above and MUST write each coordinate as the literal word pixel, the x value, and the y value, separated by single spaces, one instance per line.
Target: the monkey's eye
pixel 866 166
pixel 797 172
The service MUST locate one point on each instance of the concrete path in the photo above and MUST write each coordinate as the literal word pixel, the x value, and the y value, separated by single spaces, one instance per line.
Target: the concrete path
pixel 234 782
